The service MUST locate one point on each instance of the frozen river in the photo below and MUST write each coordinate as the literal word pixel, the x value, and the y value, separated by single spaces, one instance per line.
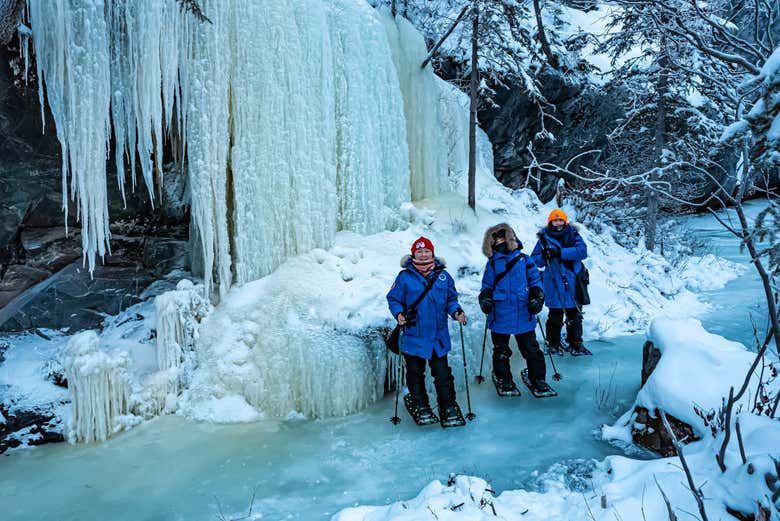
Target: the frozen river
pixel 171 469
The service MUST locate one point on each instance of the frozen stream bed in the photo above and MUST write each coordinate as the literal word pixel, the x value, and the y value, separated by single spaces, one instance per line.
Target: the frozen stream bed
pixel 171 468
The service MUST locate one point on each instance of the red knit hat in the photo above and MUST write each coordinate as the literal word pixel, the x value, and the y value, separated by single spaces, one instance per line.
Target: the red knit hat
pixel 421 243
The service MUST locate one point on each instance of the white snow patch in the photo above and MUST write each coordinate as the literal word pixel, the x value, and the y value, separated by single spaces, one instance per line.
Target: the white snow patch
pixel 228 409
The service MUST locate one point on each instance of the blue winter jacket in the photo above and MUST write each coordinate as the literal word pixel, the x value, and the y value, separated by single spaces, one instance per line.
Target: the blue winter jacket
pixel 430 334
pixel 557 293
pixel 510 313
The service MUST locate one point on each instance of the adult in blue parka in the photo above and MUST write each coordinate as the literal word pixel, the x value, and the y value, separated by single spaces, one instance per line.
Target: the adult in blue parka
pixel 560 251
pixel 511 302
pixel 426 336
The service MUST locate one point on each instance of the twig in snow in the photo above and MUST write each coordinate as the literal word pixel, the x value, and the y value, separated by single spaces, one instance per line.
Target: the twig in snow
pixel 721 456
pixel 590 513
pixel 678 447
pixel 669 509
pixel 740 443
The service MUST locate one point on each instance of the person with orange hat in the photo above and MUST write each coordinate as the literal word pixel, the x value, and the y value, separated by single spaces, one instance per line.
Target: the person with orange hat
pixel 420 299
pixel 560 252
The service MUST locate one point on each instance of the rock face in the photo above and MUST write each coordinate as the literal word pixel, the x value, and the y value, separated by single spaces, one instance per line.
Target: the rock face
pixel 585 115
pixel 42 282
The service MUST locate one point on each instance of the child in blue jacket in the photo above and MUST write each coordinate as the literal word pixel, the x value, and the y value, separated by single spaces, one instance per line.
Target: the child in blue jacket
pixel 511 304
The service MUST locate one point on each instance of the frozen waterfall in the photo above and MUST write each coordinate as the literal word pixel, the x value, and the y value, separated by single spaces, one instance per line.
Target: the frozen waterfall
pixel 299 118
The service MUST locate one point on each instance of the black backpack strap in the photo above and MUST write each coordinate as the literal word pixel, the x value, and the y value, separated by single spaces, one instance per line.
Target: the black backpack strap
pixel 509 266
pixel 428 287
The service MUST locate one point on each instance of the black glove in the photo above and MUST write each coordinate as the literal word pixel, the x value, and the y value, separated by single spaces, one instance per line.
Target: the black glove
pixel 551 252
pixel 535 300
pixel 411 318
pixel 486 301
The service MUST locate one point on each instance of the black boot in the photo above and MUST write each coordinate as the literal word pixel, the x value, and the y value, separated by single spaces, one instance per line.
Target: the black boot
pixel 553 328
pixel 416 401
pixel 452 416
pixel 574 333
pixel 502 371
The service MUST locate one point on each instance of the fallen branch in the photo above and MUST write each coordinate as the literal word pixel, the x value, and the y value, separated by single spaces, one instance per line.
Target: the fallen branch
pixel 697 495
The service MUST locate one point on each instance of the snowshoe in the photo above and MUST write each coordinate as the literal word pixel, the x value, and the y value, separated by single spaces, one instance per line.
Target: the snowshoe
pixel 505 386
pixel 554 349
pixel 421 414
pixel 452 417
pixel 540 389
pixel 578 349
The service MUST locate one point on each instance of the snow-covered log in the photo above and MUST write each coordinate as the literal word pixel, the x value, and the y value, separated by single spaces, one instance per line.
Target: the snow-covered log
pixel 98 385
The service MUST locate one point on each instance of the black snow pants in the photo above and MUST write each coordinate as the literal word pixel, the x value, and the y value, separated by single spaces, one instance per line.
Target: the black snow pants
pixel 573 326
pixel 442 379
pixel 530 350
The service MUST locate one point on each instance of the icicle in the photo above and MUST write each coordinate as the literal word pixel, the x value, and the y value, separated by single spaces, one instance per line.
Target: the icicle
pixel 178 314
pixel 108 64
pixel 98 387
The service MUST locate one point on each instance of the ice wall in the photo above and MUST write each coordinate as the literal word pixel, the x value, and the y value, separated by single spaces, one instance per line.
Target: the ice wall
pixel 302 134
pixel 291 112
pixel 98 385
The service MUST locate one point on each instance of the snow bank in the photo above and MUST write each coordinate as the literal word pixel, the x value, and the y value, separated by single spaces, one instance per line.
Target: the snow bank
pixel 98 386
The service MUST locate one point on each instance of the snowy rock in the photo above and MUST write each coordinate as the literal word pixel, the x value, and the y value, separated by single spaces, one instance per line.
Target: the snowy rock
pixel 687 372
pixel 98 387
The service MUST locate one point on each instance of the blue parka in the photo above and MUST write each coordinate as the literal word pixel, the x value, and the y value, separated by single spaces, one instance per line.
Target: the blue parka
pixel 510 313
pixel 430 334
pixel 573 252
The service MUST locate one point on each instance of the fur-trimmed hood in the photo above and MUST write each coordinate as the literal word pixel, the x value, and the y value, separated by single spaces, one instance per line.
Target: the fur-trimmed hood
pixel 512 242
pixel 406 261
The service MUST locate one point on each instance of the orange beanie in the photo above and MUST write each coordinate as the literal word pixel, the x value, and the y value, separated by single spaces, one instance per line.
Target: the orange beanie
pixel 558 214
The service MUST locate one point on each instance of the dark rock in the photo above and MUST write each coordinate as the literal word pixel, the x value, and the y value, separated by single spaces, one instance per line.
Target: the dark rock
pixel 74 299
pixel 650 357
pixel 586 115
pixel 37 426
pixel 652 434
pixel 18 278
pixel 164 254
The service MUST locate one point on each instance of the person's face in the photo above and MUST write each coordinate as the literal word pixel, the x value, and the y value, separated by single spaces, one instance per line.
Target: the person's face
pixel 499 238
pixel 557 223
pixel 423 254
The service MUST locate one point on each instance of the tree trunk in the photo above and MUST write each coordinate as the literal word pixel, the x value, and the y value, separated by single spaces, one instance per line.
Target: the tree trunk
pixel 552 59
pixel 662 90
pixel 473 108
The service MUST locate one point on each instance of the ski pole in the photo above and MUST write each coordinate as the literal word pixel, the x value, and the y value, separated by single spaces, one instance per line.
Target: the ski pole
pixel 556 375
pixel 479 379
pixel 395 420
pixel 470 416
